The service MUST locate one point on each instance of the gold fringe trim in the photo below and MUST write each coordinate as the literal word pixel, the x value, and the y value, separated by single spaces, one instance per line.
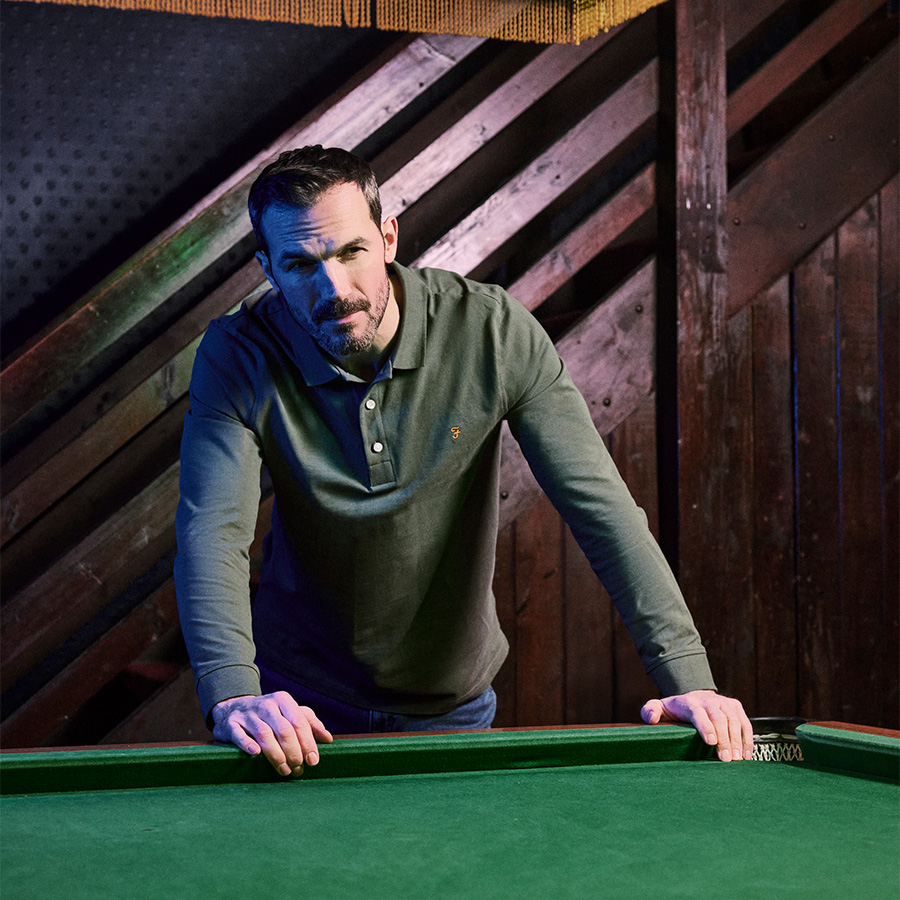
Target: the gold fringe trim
pixel 542 21
pixel 351 13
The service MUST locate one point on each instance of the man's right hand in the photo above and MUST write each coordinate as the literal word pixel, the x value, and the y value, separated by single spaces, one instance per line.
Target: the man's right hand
pixel 274 725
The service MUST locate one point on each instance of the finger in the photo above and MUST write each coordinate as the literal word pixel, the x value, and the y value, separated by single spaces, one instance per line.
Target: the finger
pixel 299 718
pixel 704 725
pixel 736 728
pixel 723 734
pixel 746 734
pixel 651 712
pixel 307 727
pixel 230 732
pixel 307 719
pixel 279 743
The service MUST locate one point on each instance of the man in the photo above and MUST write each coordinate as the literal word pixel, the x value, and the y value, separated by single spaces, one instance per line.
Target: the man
pixel 374 395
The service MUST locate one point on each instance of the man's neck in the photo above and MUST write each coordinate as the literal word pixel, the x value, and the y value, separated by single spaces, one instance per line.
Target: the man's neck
pixel 367 363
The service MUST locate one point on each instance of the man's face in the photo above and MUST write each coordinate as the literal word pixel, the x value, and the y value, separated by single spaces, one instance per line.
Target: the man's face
pixel 329 263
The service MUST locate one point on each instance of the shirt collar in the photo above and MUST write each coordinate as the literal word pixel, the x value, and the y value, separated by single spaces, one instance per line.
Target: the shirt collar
pixel 410 350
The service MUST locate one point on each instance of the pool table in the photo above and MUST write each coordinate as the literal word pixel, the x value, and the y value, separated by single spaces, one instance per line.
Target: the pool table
pixel 602 812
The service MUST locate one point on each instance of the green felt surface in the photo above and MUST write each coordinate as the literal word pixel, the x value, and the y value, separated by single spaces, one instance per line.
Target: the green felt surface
pixel 668 829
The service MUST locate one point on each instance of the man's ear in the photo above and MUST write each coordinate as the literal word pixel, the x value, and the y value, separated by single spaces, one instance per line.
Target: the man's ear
pixel 389 233
pixel 266 266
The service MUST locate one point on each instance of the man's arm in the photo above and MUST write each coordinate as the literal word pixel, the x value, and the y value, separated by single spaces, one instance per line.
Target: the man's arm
pixel 551 421
pixel 215 523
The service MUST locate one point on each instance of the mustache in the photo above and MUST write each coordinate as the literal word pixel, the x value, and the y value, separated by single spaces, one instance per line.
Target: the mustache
pixel 339 309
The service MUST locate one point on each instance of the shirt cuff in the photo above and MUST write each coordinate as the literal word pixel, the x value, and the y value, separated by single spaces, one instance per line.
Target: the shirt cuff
pixel 681 674
pixel 222 684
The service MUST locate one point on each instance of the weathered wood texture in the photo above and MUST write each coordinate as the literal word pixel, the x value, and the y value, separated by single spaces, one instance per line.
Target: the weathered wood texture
pixel 807 501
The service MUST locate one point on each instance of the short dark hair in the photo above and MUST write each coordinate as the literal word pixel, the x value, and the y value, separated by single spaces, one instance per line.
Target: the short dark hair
pixel 299 177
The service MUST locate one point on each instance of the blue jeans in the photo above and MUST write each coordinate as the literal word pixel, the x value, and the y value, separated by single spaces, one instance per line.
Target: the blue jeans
pixel 341 718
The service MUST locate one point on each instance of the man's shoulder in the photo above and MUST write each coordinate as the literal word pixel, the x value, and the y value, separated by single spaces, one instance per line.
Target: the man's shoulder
pixel 252 315
pixel 453 286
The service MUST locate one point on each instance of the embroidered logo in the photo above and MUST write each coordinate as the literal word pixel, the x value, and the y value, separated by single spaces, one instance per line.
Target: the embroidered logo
pixel 454 430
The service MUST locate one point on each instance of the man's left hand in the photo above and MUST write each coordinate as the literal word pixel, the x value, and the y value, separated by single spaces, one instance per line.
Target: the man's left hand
pixel 720 720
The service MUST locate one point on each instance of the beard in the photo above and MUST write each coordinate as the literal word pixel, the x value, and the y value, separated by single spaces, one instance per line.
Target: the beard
pixel 351 337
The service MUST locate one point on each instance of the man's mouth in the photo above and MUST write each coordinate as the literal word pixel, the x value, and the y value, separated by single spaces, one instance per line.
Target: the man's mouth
pixel 341 313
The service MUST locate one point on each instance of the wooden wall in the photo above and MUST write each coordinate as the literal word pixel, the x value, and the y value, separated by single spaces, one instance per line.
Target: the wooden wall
pixel 816 357
pixel 563 173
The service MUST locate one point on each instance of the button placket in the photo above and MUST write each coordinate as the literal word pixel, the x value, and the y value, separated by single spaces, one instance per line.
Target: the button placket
pixel 371 424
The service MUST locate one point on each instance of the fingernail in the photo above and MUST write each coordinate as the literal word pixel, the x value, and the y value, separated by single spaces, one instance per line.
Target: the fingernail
pixel 725 755
pixel 313 758
pixel 284 769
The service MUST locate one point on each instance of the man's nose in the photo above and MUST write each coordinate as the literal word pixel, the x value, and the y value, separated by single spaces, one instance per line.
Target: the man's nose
pixel 333 280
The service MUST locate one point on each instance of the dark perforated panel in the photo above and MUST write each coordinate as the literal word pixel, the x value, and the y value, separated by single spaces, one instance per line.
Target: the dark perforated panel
pixel 113 123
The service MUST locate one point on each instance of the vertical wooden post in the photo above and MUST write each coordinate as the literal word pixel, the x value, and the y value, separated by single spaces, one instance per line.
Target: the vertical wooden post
pixel 703 370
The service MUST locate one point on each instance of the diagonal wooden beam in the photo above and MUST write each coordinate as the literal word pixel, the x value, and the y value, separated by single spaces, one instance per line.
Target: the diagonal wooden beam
pixel 586 240
pixel 50 609
pixel 487 228
pixel 782 208
pixel 474 130
pixel 814 42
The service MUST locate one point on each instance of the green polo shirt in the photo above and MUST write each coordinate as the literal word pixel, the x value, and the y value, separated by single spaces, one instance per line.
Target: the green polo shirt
pixel 376 581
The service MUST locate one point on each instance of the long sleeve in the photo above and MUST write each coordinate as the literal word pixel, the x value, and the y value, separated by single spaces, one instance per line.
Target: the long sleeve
pixel 220 469
pixel 552 424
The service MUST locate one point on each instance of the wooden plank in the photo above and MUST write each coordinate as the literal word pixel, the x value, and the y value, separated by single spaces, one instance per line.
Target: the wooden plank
pixel 99 496
pixel 212 227
pixel 778 211
pixel 46 712
pixel 540 646
pixel 773 492
pixel 475 129
pixel 50 609
pixel 744 18
pixel 821 671
pixel 733 650
pixel 171 714
pixel 890 341
pixel 586 240
pixel 171 352
pixel 487 228
pixel 820 37
pixel 859 398
pixel 39 491
pixel 610 356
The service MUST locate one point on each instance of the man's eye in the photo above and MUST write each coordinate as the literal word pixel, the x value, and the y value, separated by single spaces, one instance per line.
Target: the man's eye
pixel 302 267
pixel 351 252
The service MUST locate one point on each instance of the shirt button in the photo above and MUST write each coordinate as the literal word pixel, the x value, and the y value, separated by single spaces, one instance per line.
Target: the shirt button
pixel 370 403
pixel 377 447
